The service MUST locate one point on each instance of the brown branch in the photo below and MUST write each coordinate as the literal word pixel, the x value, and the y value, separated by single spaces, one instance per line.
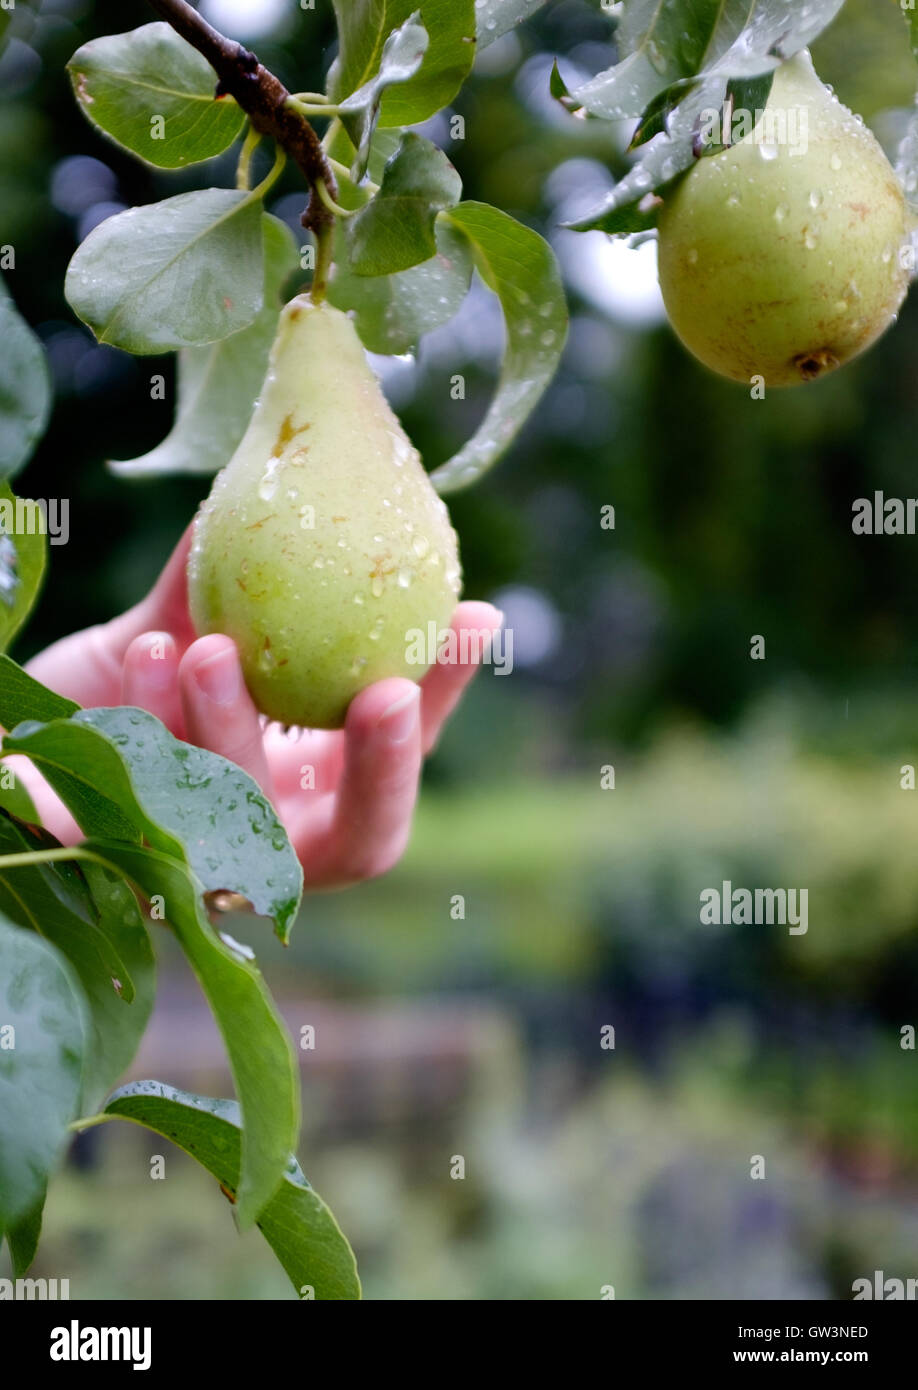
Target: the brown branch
pixel 263 98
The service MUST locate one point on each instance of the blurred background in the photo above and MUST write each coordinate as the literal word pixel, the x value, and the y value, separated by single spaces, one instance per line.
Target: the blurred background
pixel 480 1036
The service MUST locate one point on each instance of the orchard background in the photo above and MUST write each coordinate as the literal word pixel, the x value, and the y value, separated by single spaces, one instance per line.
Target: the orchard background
pixel 632 649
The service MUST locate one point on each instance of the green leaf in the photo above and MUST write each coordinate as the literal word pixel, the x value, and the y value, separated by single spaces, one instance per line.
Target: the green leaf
pixel 92 917
pixel 632 205
pixel 396 229
pixel 558 88
pixel 154 95
pixel 657 44
pixel 174 274
pixel 393 312
pixel 23 1235
pixel 664 44
pixel 296 1222
pixel 260 1052
pixel 79 767
pixel 23 554
pixel 382 147
pixel 42 1035
pixel 119 1028
pixel 750 93
pixel 14 797
pixel 497 17
pixel 218 385
pixel 364 26
pixel 203 807
pixel 23 697
pixel 655 119
pixel 402 55
pixel 25 387
pixel 521 269
pixel 753 37
pixel 186 802
pixel 53 899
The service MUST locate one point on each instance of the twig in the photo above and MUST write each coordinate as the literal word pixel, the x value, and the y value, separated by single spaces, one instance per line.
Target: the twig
pixel 263 98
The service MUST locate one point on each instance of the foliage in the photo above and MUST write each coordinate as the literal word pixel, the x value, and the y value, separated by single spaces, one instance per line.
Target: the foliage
pixel 170 828
pixel 25 390
pixel 178 824
pixel 677 61
pixel 158 814
pixel 153 278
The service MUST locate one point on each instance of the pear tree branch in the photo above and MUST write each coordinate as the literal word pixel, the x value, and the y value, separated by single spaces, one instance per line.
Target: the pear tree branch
pixel 264 99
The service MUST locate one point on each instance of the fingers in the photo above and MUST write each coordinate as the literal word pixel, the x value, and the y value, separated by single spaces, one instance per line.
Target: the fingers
pixel 87 666
pixel 218 710
pixel 150 679
pixel 474 624
pixel 363 830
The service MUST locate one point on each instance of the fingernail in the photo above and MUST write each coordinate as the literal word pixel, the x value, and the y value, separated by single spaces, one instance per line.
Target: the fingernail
pixel 401 718
pixel 219 677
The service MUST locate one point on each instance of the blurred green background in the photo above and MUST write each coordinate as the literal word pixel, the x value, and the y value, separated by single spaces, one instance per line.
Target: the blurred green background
pixel 480 1037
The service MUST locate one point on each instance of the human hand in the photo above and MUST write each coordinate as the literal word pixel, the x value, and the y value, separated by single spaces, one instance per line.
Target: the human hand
pixel 345 797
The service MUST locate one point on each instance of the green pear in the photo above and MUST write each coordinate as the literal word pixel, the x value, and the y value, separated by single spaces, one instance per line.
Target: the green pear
pixel 323 549
pixel 786 257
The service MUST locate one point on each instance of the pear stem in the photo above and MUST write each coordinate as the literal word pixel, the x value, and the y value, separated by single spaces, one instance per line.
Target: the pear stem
pixel 325 242
pixel 263 98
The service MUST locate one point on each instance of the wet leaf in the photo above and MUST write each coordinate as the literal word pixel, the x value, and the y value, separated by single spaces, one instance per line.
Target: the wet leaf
pixel 42 1039
pixel 154 95
pixel 296 1222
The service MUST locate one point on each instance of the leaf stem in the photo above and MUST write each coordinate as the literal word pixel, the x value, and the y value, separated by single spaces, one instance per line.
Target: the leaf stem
pixel 89 1122
pixel 328 139
pixel 50 856
pixel 367 185
pixel 307 108
pixel 334 208
pixel 270 179
pixel 244 167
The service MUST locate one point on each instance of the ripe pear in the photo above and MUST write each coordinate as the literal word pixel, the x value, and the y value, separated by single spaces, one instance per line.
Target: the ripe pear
pixel 323 548
pixel 786 255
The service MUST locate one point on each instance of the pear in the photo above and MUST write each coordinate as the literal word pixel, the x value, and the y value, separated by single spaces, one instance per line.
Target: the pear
pixel 786 257
pixel 323 550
